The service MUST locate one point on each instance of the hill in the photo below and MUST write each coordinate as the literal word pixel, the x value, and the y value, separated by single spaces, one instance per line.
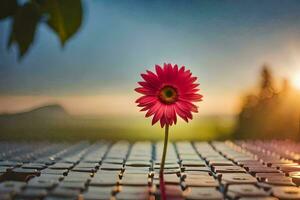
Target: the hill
pixel 53 111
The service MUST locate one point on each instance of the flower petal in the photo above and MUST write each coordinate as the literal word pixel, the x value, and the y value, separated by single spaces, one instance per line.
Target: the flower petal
pixel 184 108
pixel 162 122
pixel 144 91
pixel 152 81
pixel 158 115
pixel 181 113
pixel 146 99
pixel 153 109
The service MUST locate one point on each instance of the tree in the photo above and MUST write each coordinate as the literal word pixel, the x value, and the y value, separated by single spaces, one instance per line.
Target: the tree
pixel 267 85
pixel 270 112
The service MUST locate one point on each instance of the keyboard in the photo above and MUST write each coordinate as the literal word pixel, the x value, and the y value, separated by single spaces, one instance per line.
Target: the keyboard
pixel 243 170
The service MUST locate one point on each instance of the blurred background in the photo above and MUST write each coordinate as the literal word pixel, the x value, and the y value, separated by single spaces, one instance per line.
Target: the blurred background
pixel 68 68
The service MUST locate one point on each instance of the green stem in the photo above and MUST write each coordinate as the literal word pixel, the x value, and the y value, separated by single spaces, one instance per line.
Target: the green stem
pixel 163 158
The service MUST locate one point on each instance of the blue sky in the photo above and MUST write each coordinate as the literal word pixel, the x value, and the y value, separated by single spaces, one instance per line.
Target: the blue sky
pixel 224 43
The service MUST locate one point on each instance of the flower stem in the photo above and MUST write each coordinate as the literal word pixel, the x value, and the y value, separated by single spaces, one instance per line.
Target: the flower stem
pixel 162 165
pixel 163 158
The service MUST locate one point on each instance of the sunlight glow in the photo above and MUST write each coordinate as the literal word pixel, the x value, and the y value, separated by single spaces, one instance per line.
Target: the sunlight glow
pixel 296 80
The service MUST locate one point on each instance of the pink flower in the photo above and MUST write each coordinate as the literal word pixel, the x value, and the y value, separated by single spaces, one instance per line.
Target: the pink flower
pixel 167 93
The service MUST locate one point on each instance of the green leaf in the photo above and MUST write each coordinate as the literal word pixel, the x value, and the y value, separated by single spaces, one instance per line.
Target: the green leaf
pixel 24 27
pixel 65 17
pixel 7 8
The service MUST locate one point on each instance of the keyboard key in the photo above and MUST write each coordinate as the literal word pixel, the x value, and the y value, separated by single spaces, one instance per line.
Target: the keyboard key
pixel 264 176
pixel 200 181
pixel 88 165
pixel 102 192
pixel 248 162
pixel 113 161
pixel 237 178
pixel 42 183
pixel 222 162
pixel 133 193
pixel 10 163
pixel 64 192
pixel 198 193
pixel 210 182
pixel 193 163
pixel 283 181
pixel 200 169
pixel 168 179
pixel 238 191
pixel 78 177
pixel 288 169
pixel 228 169
pixel 286 193
pixel 138 163
pixel 80 169
pixel 194 174
pixel 53 177
pixel 45 161
pixel 135 180
pixel 254 170
pixel 137 170
pixel 167 166
pixel 113 167
pixel 72 185
pixel 61 166
pixel 168 161
pixel 104 180
pixel 37 166
pixel 11 186
pixel 32 193
pixel 95 196
pixel 169 171
pixel 20 174
pixel 55 171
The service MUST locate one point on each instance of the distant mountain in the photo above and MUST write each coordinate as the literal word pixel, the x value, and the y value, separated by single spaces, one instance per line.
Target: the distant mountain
pixel 53 111
pixel 39 123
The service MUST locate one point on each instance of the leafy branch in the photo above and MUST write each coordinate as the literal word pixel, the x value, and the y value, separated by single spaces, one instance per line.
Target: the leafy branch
pixel 64 17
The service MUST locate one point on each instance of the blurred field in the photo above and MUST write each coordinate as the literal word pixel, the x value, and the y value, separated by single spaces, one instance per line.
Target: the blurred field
pixel 60 127
pixel 270 111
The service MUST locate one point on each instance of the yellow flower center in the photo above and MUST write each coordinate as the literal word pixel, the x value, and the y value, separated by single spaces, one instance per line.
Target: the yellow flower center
pixel 168 94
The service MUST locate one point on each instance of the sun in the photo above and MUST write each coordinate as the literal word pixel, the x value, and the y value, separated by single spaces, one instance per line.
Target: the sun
pixel 296 80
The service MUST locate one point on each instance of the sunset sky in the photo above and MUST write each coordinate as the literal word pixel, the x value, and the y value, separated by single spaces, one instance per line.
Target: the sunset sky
pixel 224 43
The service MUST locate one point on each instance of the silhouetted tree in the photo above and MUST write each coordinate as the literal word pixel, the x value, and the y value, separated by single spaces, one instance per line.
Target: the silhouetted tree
pixel 270 113
pixel 267 85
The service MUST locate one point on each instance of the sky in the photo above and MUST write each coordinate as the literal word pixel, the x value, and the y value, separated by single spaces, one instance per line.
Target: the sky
pixel 224 43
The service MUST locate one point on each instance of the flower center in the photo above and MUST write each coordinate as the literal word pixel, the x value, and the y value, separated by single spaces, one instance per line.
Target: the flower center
pixel 168 94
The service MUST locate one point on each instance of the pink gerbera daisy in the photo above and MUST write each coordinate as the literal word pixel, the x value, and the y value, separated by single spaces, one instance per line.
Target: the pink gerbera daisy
pixel 167 93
